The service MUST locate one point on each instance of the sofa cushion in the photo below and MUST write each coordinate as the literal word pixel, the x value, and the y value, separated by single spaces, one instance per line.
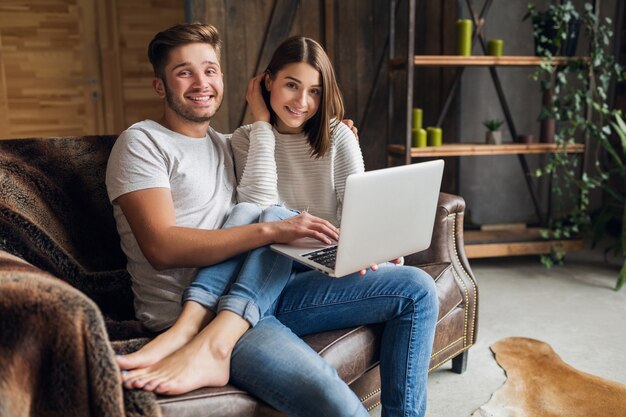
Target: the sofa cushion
pixel 350 351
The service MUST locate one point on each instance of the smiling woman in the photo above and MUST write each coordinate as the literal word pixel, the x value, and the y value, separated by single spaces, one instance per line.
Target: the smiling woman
pixel 296 152
pixel 294 96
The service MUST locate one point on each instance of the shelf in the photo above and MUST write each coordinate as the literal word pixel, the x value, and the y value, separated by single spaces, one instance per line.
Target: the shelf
pixel 486 61
pixel 477 149
pixel 487 244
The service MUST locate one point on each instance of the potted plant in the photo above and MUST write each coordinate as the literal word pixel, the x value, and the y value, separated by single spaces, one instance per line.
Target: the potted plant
pixel 580 106
pixel 493 135
pixel 555 29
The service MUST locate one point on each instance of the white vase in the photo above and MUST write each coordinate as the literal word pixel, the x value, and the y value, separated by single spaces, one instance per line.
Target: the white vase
pixel 493 137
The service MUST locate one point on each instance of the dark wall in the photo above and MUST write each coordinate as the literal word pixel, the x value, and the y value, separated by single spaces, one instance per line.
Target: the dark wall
pixel 493 186
pixel 355 35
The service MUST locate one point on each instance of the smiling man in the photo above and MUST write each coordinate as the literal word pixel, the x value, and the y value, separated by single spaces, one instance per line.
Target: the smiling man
pixel 191 99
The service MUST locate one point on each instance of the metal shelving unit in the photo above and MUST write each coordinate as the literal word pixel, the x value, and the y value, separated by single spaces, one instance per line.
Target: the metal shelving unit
pixel 478 244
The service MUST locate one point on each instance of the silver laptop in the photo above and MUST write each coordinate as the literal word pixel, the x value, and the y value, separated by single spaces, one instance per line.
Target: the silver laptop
pixel 387 213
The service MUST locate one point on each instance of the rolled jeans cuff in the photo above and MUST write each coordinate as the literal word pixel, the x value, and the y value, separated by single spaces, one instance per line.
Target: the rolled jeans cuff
pixel 204 298
pixel 241 306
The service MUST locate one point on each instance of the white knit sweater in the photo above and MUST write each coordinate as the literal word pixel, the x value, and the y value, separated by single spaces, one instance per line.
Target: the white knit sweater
pixel 275 168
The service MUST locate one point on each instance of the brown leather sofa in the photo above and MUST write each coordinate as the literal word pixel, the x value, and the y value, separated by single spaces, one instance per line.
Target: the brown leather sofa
pixel 55 217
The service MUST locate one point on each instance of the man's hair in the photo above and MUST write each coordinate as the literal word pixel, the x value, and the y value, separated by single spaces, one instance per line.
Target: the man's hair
pixel 178 35
pixel 320 127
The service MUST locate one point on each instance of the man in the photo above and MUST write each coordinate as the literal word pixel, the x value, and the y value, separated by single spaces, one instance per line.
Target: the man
pixel 172 185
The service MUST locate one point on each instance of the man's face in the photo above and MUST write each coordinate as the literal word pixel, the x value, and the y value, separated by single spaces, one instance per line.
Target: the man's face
pixel 193 84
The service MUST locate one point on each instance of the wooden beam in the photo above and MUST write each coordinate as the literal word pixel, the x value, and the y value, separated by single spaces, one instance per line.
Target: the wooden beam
pixel 278 29
pixel 94 123
pixel 195 11
pixel 329 29
pixel 111 68
pixel 493 250
pixel 513 241
pixel 5 127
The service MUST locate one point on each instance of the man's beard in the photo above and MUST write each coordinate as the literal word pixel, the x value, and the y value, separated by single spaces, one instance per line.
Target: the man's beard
pixel 184 112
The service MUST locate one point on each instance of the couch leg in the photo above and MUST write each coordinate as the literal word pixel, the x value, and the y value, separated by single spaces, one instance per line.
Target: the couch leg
pixel 459 363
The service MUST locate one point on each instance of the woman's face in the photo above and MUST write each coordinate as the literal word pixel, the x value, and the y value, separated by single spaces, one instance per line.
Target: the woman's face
pixel 295 95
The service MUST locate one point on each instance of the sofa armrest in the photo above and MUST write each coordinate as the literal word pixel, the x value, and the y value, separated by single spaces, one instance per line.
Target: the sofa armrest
pixel 446 257
pixel 447 239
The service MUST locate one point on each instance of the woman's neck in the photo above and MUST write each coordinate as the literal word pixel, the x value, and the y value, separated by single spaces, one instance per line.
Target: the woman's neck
pixel 283 129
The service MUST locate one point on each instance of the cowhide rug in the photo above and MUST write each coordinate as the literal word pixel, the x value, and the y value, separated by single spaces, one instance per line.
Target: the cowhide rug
pixel 540 384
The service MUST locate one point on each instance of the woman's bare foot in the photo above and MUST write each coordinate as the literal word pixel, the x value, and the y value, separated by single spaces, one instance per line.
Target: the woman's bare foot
pixel 203 362
pixel 158 348
pixel 193 366
pixel 191 320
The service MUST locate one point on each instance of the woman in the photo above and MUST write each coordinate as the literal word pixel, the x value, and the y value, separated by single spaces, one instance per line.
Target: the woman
pixel 296 152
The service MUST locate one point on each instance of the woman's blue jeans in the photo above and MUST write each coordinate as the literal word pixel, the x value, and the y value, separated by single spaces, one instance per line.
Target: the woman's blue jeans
pixel 247 284
pixel 271 362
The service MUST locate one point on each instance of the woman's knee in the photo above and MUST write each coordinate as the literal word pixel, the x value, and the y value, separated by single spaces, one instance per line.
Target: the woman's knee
pixel 277 213
pixel 242 214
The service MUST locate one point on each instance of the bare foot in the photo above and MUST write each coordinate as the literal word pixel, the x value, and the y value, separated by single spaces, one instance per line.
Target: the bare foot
pixel 193 366
pixel 191 320
pixel 203 362
pixel 160 347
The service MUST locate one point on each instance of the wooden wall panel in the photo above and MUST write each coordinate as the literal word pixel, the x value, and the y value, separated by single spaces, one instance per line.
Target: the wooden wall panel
pixel 138 21
pixel 355 33
pixel 51 88
pixel 371 114
pixel 44 99
pixel 242 25
pixel 215 14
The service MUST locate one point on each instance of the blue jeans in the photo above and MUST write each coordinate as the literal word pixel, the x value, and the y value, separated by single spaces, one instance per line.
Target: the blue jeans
pixel 271 362
pixel 247 284
pixel 282 370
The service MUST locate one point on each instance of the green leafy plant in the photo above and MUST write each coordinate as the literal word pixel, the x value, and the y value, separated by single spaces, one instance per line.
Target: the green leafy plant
pixel 555 29
pixel 580 105
pixel 613 212
pixel 493 124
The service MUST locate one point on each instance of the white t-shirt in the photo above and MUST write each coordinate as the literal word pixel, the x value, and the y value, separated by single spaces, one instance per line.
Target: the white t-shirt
pixel 273 167
pixel 200 174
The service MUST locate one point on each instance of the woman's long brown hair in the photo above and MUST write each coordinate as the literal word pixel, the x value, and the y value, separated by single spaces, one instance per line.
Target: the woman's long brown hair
pixel 320 127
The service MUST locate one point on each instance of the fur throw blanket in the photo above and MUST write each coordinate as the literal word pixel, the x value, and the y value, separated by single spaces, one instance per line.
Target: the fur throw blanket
pixel 55 214
pixel 55 358
pixel 55 354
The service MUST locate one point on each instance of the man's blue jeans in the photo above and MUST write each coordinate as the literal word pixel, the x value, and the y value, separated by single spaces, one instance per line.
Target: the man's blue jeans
pixel 271 362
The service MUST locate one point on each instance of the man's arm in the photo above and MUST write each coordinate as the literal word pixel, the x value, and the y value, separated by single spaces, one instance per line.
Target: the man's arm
pixel 150 214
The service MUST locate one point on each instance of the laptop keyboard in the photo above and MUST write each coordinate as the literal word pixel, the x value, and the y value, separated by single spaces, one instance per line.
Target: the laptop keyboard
pixel 324 256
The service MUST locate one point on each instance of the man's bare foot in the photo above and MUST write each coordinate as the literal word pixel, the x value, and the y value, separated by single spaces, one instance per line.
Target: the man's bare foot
pixel 193 366
pixel 190 322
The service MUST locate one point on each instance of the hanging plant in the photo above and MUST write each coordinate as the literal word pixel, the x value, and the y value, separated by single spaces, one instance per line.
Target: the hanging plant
pixel 555 29
pixel 580 105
